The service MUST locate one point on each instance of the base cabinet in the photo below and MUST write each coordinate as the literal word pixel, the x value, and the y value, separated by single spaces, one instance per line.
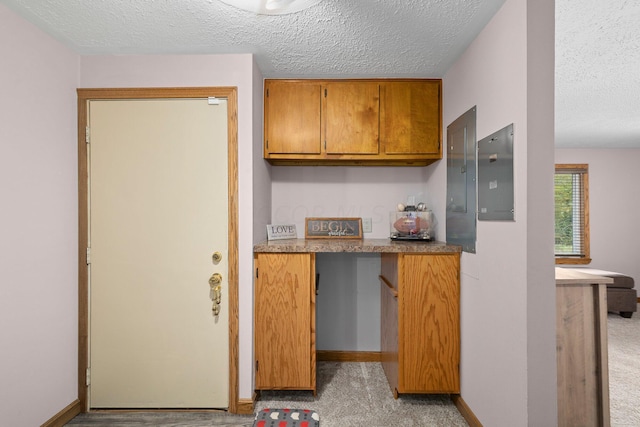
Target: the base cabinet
pixel 420 322
pixel 284 330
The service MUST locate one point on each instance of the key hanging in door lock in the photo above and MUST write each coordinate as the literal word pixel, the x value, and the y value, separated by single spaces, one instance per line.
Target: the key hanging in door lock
pixel 215 294
pixel 216 297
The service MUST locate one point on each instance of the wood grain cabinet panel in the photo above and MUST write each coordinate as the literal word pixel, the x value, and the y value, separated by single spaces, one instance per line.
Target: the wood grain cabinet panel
pixel 389 319
pixel 427 323
pixel 581 344
pixel 292 117
pixel 352 117
pixel 353 122
pixel 284 318
pixel 411 118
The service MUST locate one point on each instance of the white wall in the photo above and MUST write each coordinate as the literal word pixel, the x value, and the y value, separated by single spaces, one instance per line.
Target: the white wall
pixel 38 224
pixel 349 295
pixel 345 191
pixel 348 302
pixel 508 369
pixel 541 289
pixel 261 217
pixel 614 203
pixel 206 70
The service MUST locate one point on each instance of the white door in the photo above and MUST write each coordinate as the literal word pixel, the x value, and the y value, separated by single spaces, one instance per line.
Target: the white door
pixel 158 211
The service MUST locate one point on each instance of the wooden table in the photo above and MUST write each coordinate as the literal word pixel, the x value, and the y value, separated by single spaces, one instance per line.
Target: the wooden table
pixel 581 340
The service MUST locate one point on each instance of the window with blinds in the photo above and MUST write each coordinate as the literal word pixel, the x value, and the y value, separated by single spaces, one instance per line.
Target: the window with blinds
pixel 572 214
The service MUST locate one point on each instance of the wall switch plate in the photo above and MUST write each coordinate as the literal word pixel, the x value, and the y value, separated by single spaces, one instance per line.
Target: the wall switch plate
pixel 366 225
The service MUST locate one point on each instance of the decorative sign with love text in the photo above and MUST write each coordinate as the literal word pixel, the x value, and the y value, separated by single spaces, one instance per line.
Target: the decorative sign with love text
pixel 333 228
pixel 280 232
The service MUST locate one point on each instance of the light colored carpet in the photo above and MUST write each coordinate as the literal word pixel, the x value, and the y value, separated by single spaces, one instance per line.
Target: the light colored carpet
pixel 356 394
pixel 161 418
pixel 624 370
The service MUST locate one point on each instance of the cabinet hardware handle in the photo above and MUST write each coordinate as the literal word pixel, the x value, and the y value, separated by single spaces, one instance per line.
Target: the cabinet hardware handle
pixel 393 290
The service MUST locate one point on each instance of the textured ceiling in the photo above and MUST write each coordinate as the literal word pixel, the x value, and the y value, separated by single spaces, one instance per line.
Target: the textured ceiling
pixel 597 45
pixel 598 73
pixel 335 38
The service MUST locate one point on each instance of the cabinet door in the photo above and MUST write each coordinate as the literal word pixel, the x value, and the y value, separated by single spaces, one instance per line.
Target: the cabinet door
pixel 410 117
pixel 389 318
pixel 351 120
pixel 284 321
pixel 292 117
pixel 429 323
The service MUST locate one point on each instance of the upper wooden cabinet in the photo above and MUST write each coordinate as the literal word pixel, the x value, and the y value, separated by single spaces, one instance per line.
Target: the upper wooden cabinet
pixel 353 122
pixel 292 118
pixel 410 119
pixel 352 114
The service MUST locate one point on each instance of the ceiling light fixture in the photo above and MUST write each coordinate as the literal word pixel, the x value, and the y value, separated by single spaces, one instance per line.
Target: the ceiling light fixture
pixel 271 7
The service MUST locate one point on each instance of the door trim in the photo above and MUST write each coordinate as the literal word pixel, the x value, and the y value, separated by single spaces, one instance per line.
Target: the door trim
pixel 85 95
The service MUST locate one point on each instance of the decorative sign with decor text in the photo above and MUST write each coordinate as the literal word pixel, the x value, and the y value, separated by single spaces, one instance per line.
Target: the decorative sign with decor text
pixel 333 228
pixel 281 232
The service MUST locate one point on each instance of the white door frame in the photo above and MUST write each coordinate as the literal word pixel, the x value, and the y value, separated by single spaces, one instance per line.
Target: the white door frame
pixel 85 95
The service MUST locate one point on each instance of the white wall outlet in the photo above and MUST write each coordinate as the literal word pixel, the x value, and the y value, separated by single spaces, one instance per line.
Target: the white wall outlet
pixel 366 225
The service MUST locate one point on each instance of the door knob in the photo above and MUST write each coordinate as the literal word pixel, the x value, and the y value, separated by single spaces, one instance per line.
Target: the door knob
pixel 215 279
pixel 216 257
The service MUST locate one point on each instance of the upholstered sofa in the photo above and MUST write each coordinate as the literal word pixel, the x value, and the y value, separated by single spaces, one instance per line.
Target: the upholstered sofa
pixel 621 295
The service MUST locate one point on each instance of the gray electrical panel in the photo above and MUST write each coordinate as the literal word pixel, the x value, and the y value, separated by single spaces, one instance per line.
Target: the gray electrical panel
pixel 495 176
pixel 461 181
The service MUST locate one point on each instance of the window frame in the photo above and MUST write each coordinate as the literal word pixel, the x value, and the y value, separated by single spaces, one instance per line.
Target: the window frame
pixel 583 169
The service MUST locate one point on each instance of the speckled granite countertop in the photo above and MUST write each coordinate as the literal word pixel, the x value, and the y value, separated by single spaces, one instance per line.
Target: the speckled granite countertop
pixel 354 245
